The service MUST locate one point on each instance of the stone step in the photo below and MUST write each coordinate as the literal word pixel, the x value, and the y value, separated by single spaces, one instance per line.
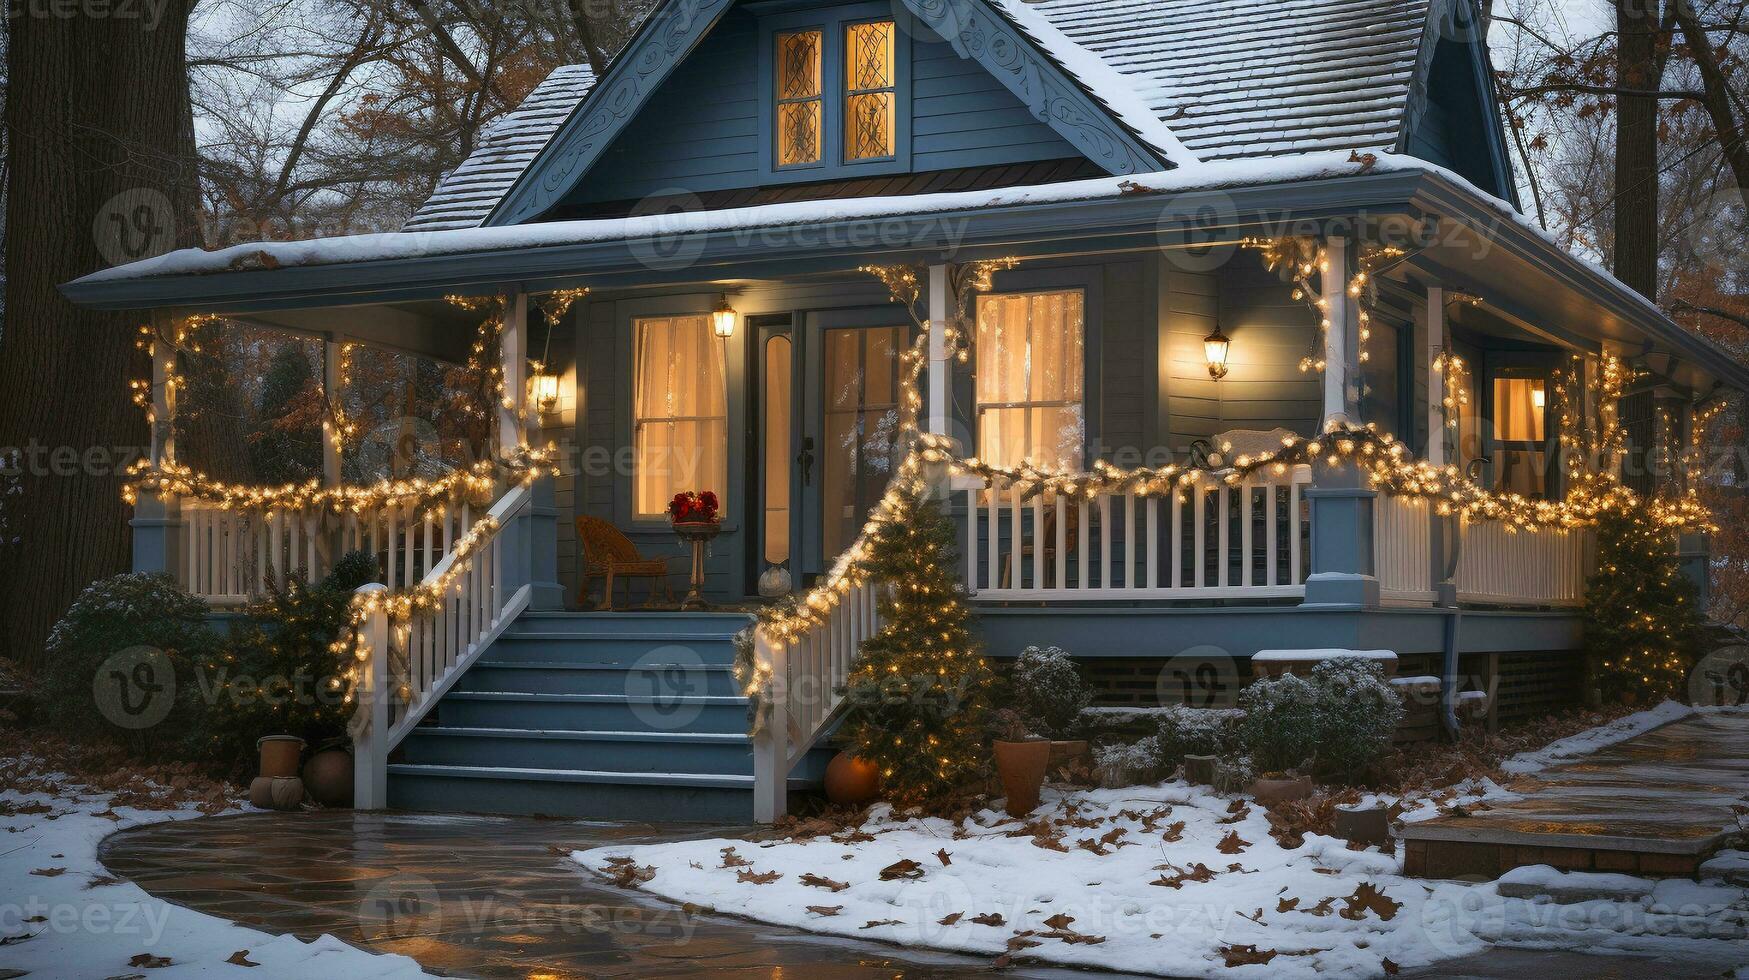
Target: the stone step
pixel 698 753
pixel 590 794
pixel 592 712
pixel 647 679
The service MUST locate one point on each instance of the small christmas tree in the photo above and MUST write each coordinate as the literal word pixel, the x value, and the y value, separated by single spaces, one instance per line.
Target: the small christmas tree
pixel 1643 627
pixel 917 693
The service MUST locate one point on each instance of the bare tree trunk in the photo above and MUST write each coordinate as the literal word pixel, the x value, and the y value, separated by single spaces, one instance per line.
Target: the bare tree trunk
pixel 1718 93
pixel 101 171
pixel 1636 148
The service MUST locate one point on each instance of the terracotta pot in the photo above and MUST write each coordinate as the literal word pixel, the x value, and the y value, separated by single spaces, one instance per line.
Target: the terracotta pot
pixel 1200 769
pixel 261 792
pixel 1021 765
pixel 1365 824
pixel 851 781
pixel 328 777
pixel 286 793
pixel 1283 790
pixel 279 754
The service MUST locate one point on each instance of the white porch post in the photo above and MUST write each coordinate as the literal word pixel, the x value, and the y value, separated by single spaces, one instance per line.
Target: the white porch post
pixel 157 520
pixel 1343 521
pixel 370 739
pixel 940 372
pixel 1341 334
pixel 331 391
pixel 771 745
pixel 513 353
pixel 1436 420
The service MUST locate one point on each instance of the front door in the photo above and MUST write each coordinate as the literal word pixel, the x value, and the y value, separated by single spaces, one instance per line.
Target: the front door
pixel 850 427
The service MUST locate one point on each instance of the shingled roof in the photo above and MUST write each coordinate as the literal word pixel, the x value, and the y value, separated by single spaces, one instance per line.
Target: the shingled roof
pixel 467 195
pixel 1240 78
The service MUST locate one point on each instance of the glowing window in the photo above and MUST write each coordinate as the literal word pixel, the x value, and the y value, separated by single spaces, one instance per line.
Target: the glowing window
pixel 1030 377
pixel 680 412
pixel 869 99
pixel 799 104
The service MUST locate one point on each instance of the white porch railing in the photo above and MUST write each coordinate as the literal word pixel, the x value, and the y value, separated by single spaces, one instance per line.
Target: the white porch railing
pixel 803 695
pixel 1403 548
pixel 227 555
pixel 1542 568
pixel 1212 541
pixel 414 661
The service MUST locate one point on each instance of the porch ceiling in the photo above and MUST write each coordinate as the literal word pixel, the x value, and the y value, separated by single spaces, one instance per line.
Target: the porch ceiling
pixel 1483 248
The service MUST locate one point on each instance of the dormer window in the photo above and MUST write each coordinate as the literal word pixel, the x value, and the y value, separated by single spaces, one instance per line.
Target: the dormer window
pixel 838 84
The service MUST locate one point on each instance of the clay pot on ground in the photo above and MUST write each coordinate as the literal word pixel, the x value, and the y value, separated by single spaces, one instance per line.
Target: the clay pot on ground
pixel 279 754
pixel 1281 789
pixel 851 781
pixel 328 777
pixel 1365 824
pixel 1021 766
pixel 1200 769
pixel 276 792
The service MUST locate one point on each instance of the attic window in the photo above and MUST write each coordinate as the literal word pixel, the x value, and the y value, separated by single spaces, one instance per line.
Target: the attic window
pixel 799 109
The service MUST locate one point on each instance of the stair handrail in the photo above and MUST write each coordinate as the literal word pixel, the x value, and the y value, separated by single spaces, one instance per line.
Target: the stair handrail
pixel 411 647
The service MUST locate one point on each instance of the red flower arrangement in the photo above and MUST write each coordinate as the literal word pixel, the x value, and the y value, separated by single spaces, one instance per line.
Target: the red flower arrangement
pixel 693 507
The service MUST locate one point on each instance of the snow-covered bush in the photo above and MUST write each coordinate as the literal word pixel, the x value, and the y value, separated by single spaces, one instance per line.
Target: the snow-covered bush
pixel 1128 763
pixel 122 663
pixel 1358 714
pixel 1196 731
pixel 1049 691
pixel 1282 722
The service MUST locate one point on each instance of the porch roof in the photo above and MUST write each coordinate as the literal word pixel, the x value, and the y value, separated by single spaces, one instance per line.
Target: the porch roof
pixel 1498 255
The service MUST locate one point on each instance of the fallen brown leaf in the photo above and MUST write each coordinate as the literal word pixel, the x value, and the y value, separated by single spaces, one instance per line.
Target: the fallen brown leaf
pixel 1368 897
pixel 949 919
pixel 148 961
pixel 944 857
pixel 825 909
pixel 989 919
pixel 1232 843
pixel 241 958
pixel 1246 955
pixel 906 869
pixel 819 881
pixel 757 878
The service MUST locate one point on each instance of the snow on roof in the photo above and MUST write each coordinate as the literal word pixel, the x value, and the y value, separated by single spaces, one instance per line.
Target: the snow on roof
pixel 1106 85
pixel 1255 77
pixel 410 244
pixel 471 190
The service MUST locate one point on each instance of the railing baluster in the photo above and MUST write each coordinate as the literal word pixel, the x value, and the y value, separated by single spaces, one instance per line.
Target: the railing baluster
pixel 1086 533
pixel 1016 535
pixel 972 540
pixel 1293 532
pixel 1153 542
pixel 1271 532
pixel 1177 538
pixel 1129 540
pixel 1200 515
pixel 1246 558
pixel 1223 553
pixel 1062 559
pixel 1038 541
pixel 994 530
pixel 1105 540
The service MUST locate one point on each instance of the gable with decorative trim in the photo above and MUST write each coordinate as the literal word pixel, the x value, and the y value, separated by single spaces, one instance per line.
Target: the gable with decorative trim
pixel 1050 83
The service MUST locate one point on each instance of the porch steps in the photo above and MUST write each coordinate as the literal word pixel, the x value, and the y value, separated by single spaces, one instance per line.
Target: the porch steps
pixel 617 716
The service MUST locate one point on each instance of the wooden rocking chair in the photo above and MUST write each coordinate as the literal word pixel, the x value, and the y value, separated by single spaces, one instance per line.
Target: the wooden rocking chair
pixel 609 553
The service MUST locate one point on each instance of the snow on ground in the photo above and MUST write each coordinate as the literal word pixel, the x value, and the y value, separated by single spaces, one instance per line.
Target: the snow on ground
pixel 63 915
pixel 1170 879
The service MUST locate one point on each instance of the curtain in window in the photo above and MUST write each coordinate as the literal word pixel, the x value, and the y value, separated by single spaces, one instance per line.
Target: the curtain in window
pixel 680 421
pixel 1030 378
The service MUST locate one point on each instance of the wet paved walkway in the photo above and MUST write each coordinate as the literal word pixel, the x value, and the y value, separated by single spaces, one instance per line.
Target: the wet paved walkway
pixel 1653 805
pixel 498 897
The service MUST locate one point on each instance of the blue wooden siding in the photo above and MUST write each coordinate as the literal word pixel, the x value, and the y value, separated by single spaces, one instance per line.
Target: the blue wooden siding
pixel 1270 331
pixel 700 130
pixel 1454 129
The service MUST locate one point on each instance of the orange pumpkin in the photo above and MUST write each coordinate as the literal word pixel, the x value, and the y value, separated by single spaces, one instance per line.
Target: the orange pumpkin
pixel 851 781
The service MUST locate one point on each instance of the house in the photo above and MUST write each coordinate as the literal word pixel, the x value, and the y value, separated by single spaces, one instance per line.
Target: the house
pixel 1124 235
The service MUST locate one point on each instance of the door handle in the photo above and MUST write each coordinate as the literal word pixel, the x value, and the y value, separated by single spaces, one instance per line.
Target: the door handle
pixel 805 459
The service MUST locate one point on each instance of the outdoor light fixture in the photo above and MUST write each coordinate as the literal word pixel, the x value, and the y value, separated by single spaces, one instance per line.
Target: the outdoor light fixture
pixel 544 387
pixel 1214 348
pixel 723 319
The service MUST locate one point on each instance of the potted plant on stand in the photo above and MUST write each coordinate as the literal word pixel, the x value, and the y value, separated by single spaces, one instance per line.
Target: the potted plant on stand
pixel 1050 693
pixel 695 519
pixel 1021 760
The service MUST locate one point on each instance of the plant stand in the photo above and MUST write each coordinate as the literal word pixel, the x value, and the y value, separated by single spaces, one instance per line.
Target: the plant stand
pixel 698 534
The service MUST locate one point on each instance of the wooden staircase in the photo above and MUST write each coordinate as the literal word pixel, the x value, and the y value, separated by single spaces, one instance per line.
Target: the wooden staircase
pixel 618 716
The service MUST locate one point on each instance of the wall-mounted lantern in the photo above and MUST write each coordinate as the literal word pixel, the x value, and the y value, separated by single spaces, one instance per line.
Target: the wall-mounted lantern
pixel 723 319
pixel 1215 347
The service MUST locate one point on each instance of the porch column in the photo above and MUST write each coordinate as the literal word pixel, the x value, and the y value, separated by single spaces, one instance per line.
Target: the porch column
pixel 1341 335
pixel 538 539
pixel 940 372
pixel 1342 503
pixel 331 392
pixel 1443 541
pixel 157 520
